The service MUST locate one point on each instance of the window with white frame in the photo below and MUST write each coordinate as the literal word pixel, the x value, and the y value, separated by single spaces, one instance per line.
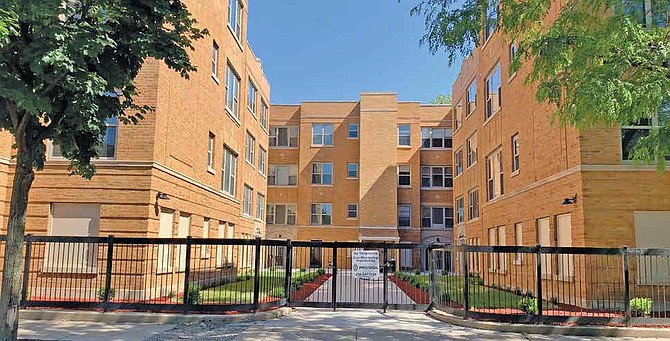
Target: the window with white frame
pixel 322 173
pixel 353 131
pixel 210 151
pixel 262 160
pixel 286 137
pixel 493 93
pixel 264 114
pixel 352 211
pixel 235 17
pixel 404 215
pixel 251 97
pixel 283 175
pixel 458 115
pixel 494 175
pixel 631 135
pixel 471 150
pixel 215 60
pixel 232 92
pixel 248 205
pixel 281 214
pixel 436 137
pixel 321 214
pixel 436 177
pixel 491 18
pixel 404 175
pixel 515 153
pixel 260 206
pixel 437 217
pixel 458 161
pixel 250 149
pixel 106 146
pixel 473 204
pixel 352 170
pixel 322 134
pixel 229 171
pixel 460 212
pixel 513 49
pixel 471 98
pixel 404 135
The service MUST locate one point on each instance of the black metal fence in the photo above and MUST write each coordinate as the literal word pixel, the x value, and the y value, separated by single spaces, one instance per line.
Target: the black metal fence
pixel 554 284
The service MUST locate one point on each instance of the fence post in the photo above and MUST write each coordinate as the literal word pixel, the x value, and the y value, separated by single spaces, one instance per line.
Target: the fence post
pixel 538 277
pixel 385 273
pixel 626 281
pixel 288 271
pixel 466 285
pixel 108 270
pixel 432 275
pixel 257 277
pixel 334 275
pixel 187 274
pixel 26 270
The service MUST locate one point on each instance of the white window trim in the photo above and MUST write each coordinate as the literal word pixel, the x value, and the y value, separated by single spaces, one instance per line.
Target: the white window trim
pixel 255 101
pixel 357 170
pixel 444 138
pixel 358 132
pixel 286 215
pixel 444 177
pixel 323 135
pixel 320 213
pixel 410 216
pixel 409 135
pixel 319 166
pixel 290 166
pixel 288 136
pixel 496 68
pixel 352 204
pixel 410 176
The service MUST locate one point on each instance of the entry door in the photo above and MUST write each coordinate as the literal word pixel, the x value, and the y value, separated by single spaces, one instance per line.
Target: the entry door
pixel 164 259
pixel 544 239
pixel 315 257
pixel 182 232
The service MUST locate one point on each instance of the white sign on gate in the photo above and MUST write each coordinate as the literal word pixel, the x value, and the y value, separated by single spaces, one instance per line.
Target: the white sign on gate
pixel 365 264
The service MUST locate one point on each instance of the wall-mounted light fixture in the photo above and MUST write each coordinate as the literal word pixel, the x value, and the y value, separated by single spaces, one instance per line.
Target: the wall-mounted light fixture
pixel 161 195
pixel 570 201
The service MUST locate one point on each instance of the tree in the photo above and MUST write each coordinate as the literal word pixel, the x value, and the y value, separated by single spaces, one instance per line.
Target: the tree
pixel 65 68
pixel 598 61
pixel 442 99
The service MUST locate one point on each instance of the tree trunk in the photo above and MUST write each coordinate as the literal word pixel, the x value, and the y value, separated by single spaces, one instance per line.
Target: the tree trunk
pixel 10 296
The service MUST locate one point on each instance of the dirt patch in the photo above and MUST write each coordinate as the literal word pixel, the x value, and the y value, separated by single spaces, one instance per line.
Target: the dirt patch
pixel 419 296
pixel 308 288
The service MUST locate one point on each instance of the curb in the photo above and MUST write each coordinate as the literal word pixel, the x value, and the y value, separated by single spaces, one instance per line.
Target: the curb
pixel 138 317
pixel 550 329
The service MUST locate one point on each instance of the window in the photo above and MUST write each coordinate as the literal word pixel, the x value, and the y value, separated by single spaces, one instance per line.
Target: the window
pixel 497 261
pixel 221 233
pixel 458 161
pixel 436 177
pixel 165 230
pixel 473 204
pixel 631 135
pixel 459 210
pixel 248 200
pixel 262 160
pixel 283 175
pixel 284 137
pixel 491 18
pixel 471 150
pixel 493 93
pixel 437 217
pixel 515 153
pixel 235 18
pixel 210 151
pixel 229 171
pixel 404 215
pixel 322 173
pixel 260 206
pixel 404 135
pixel 458 111
pixel 322 134
pixel 204 249
pixel 352 170
pixel 353 130
pixel 251 97
pixel 251 147
pixel 565 266
pixel 215 61
pixel 404 175
pixel 494 175
pixel 435 137
pixel 106 146
pixel 232 92
pixel 321 214
pixel 75 220
pixel 352 211
pixel 264 114
pixel 518 241
pixel 471 98
pixel 513 49
pixel 281 214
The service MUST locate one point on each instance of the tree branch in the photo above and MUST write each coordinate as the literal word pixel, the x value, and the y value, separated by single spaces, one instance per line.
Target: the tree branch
pixel 12 113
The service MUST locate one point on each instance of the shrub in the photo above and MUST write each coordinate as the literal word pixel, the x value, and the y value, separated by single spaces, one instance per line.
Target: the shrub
pixel 529 294
pixel 640 306
pixel 277 292
pixel 554 301
pixel 518 291
pixel 445 273
pixel 303 270
pixel 320 272
pixel 527 305
pixel 171 295
pixel 476 280
pixel 192 296
pixel 100 294
pixel 417 272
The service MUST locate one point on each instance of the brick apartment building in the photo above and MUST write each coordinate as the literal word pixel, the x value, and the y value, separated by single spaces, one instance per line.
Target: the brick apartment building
pixel 196 166
pixel 370 170
pixel 522 179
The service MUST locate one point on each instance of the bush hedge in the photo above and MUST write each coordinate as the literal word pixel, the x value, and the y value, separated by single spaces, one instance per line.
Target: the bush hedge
pixel 303 277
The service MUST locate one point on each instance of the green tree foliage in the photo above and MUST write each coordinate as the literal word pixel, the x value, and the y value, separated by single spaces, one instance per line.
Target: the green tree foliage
pixel 442 99
pixel 599 61
pixel 66 66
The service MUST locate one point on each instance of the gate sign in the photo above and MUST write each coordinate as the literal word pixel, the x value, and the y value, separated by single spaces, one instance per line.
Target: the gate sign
pixel 365 264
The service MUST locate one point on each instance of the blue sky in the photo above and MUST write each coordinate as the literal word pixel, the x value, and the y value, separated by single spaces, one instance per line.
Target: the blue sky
pixel 335 49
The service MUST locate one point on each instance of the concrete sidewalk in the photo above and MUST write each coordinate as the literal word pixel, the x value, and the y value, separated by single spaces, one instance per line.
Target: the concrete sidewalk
pixel 79 330
pixel 352 290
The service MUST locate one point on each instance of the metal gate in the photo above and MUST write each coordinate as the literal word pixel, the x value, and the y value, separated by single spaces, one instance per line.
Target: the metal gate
pixel 335 284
